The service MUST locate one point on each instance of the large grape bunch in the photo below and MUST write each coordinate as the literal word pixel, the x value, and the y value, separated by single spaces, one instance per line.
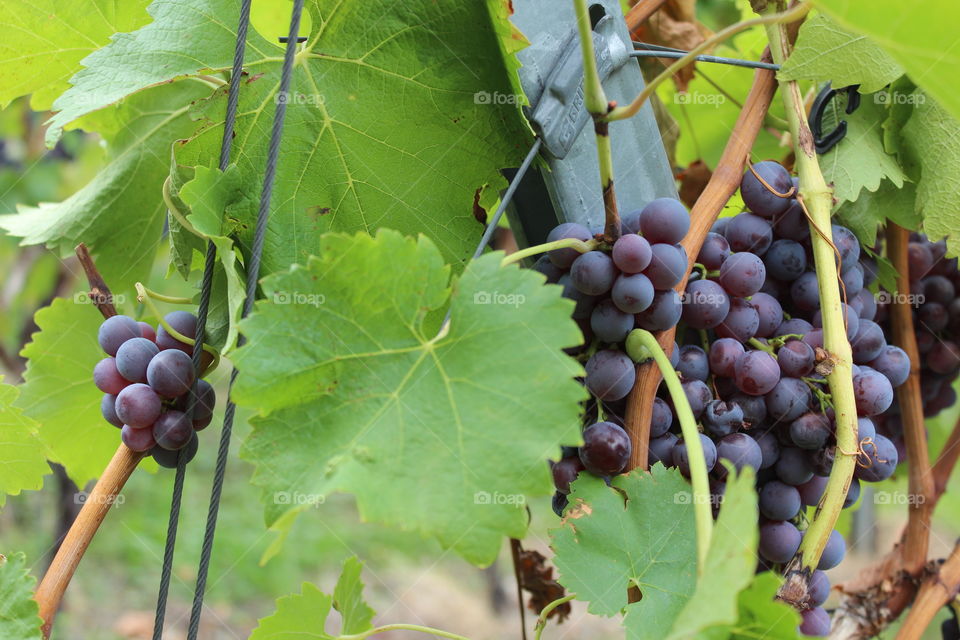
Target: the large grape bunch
pixel 750 356
pixel 147 380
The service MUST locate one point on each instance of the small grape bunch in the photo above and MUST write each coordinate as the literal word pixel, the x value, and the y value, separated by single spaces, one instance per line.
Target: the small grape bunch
pixel 147 380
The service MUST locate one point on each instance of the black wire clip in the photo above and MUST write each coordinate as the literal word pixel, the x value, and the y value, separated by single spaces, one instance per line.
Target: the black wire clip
pixel 822 142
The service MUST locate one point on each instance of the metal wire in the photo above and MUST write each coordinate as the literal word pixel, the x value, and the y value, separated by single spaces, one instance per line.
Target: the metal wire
pixel 233 97
pixel 657 51
pixel 253 273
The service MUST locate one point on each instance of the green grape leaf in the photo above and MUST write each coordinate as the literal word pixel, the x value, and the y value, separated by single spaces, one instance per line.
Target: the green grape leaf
pixel 208 195
pixel 23 460
pixel 348 599
pixel 930 143
pixel 761 615
pixel 45 40
pixel 119 213
pixel 353 386
pixel 859 161
pixel 826 51
pixel 637 533
pixel 19 612
pixel 864 215
pixel 305 614
pixel 921 41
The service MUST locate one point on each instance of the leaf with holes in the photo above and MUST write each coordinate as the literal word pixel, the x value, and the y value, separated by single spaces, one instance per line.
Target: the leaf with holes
pixel 22 460
pixel 826 51
pixel 353 387
pixel 637 533
pixel 19 612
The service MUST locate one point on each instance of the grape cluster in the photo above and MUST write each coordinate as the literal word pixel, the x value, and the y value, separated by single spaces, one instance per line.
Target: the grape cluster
pixel 147 380
pixel 750 356
pixel 616 288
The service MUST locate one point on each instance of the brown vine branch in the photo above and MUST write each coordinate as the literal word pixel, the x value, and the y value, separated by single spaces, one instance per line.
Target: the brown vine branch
pixel 722 185
pixel 101 498
pixel 640 12
pixel 937 590
pixel 946 461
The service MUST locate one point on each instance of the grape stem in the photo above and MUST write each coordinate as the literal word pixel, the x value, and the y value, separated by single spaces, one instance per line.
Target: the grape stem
pixel 542 619
pixel 758 344
pixel 402 627
pixel 155 295
pixel 817 199
pixel 691 437
pixel 794 14
pixel 597 105
pixel 565 243
pixel 175 210
pixel 146 296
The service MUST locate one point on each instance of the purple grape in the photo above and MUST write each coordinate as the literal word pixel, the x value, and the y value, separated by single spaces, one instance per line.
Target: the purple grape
pixel 667 266
pixel 593 273
pixel 740 450
pixel 853 494
pixel 722 418
pixel 107 378
pixel 756 373
pixel 796 359
pixel 920 260
pixel 818 589
pixel 205 400
pixel 833 552
pixel 609 324
pixel 183 322
pixel 664 220
pixel 138 406
pixel 944 357
pixel 705 304
pixel 170 373
pixel 747 232
pixel 792 467
pixel 172 430
pixel 148 332
pixel 661 449
pixel 852 280
pixel 742 274
pixel 610 375
pixel 661 419
pixel 681 459
pixel 815 622
pixel 133 356
pixel 769 447
pixel 606 449
pixel 770 313
pixel 851 320
pixel 878 459
pixel 938 289
pixel 873 393
pixel 693 363
pixel 894 363
pixel 779 541
pixel 723 356
pixel 865 305
pixel 632 293
pixel 563 258
pixel 868 343
pixel 792 224
pixel 566 471
pixel 137 439
pixel 814 338
pixel 754 408
pixel 108 409
pixel 583 303
pixel 758 197
pixel 116 330
pixel 788 399
pixel 793 326
pixel 779 501
pixel 632 253
pixel 785 260
pixel 663 313
pixel 698 396
pixel 811 431
pixel 741 323
pixel 630 222
pixel 714 251
pixel 805 292
pixel 168 459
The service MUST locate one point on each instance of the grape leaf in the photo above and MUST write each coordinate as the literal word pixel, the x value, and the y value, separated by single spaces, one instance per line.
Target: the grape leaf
pixel 826 51
pixel 352 387
pixel 921 41
pixel 874 208
pixel 643 537
pixel 119 213
pixel 761 615
pixel 23 462
pixel 731 563
pixel 930 144
pixel 859 161
pixel 305 614
pixel 19 612
pixel 44 41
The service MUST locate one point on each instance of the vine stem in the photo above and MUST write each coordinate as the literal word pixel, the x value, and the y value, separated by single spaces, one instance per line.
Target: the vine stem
pixel 597 105
pixel 542 618
pixel 792 15
pixel 566 243
pixel 817 199
pixel 146 296
pixel 937 590
pixel 402 627
pixel 946 461
pixel 175 210
pixel 642 343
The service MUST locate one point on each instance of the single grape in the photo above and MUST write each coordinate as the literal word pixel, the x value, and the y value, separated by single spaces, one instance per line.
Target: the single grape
pixel 606 449
pixel 769 447
pixel 792 224
pixel 742 274
pixel 938 289
pixel 632 293
pixel 723 356
pixel 779 501
pixel 698 396
pixel 147 331
pixel 559 503
pixel 205 400
pixel 133 356
pixel 170 373
pixel 116 330
pixel 583 303
pixel 183 322
pixel 722 418
pixel 754 408
pixel 796 359
pixel 667 266
pixel 720 226
pixel 609 324
pixel 693 363
pixel 851 320
pixel 833 552
pixel 814 338
pixel 811 431
pixel 714 251
pixel 894 363
pixel 815 622
pixel 944 357
pixel 793 467
pixel 818 589
pixel 563 258
pixel 785 260
pixel 873 393
pixel 770 313
pixel 779 541
pixel 920 260
pixel 107 378
pixel 812 490
pixel 168 459
pixel 137 439
pixel 740 450
pixel 756 373
pixel 663 313
pixel 664 220
pixel 759 197
pixel 630 222
pixel 681 459
pixel 865 429
pixel 741 323
pixel 593 273
pixel 878 459
pixel 705 304
pixel 631 253
pixel 138 406
pixel 868 343
pixel 788 399
pixel 747 232
pixel 848 246
pixel 805 292
pixel 199 424
pixel 865 305
pixel 108 409
pixel 793 326
pixel 852 280
pixel 661 449
pixel 661 419
pixel 610 375
pixel 172 430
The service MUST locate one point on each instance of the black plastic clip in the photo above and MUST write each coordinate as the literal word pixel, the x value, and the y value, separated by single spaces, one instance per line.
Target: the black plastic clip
pixel 826 142
pixel 283 39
